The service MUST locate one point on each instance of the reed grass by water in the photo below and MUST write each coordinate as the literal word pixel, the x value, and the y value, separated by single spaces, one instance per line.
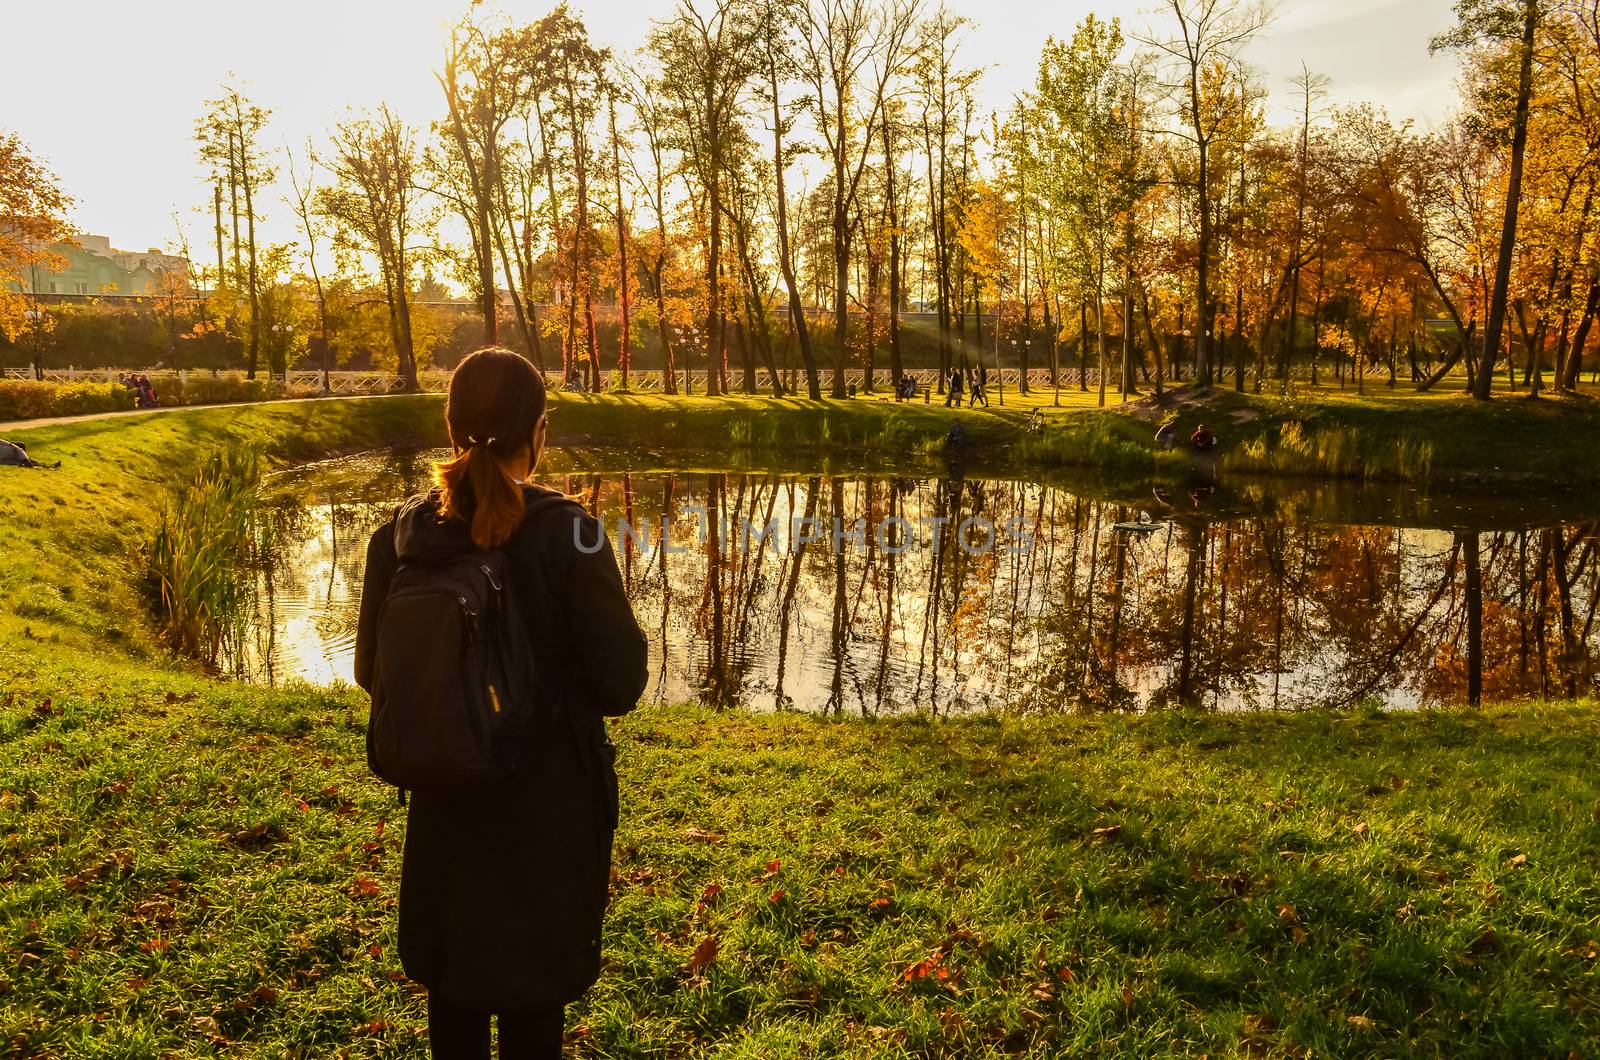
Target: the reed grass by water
pixel 198 559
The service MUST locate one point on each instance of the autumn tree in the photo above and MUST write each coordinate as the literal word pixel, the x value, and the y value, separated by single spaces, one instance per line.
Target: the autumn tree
pixel 1505 30
pixel 33 217
pixel 374 161
pixel 706 60
pixel 1203 50
pixel 852 50
pixel 228 134
pixel 487 79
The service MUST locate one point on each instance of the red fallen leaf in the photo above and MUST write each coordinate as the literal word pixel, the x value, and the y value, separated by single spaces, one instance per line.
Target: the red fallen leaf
pixel 877 905
pixel 775 897
pixel 933 962
pixel 703 955
pixel 379 829
pixel 1127 998
pixel 138 982
pixel 1067 975
pixel 375 1027
pixel 374 951
pixel 302 805
pixel 45 709
pixel 774 865
pixel 710 893
pixel 364 887
pixel 155 945
pixel 838 870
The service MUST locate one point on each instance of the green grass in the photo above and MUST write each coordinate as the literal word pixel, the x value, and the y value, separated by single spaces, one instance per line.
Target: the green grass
pixel 196 868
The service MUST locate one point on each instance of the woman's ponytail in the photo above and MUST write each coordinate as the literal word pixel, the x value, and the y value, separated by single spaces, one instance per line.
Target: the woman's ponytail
pixel 496 401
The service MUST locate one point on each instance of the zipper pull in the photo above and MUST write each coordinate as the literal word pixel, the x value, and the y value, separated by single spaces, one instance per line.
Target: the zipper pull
pixel 489 573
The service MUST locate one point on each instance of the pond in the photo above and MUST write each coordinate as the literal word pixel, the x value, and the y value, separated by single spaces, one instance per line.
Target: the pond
pixel 865 593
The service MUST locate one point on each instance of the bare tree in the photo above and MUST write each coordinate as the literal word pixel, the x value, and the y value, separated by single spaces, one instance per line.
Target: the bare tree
pixel 1204 51
pixel 852 49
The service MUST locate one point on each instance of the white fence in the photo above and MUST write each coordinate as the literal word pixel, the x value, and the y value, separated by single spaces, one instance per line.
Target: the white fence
pixel 649 381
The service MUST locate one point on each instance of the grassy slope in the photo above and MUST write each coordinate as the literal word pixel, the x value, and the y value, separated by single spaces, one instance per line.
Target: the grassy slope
pixel 190 868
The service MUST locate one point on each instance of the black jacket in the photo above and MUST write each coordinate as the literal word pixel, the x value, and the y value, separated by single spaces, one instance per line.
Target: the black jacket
pixel 502 893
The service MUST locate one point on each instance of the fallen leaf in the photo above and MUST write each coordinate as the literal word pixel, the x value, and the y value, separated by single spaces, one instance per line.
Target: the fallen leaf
pixel 700 835
pixel 364 887
pixel 1518 861
pixel 1360 828
pixel 1363 1022
pixel 703 955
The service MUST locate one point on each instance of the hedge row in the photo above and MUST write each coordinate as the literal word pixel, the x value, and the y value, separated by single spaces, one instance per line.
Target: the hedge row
pixel 26 399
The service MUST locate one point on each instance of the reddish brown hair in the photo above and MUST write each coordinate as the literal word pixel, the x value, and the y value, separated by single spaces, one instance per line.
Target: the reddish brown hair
pixel 496 400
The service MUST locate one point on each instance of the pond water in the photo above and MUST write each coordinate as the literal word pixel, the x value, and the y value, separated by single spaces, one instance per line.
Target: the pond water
pixel 960 592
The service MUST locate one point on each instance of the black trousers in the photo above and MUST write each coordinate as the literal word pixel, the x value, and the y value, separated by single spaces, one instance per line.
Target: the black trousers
pixel 459 1033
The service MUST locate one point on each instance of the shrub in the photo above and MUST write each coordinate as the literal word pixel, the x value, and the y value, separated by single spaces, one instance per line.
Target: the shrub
pixel 25 399
pixel 202 389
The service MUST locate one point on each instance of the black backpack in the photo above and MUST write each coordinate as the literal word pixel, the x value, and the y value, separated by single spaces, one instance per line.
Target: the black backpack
pixel 453 698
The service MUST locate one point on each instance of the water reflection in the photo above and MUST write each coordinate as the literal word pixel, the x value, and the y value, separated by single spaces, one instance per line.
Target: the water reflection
pixel 1214 602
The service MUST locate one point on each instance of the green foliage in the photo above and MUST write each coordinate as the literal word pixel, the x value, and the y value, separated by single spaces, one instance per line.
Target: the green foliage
pixel 1335 452
pixel 200 559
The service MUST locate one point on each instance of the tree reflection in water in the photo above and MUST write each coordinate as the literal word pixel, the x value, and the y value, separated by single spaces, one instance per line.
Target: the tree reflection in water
pixel 1224 605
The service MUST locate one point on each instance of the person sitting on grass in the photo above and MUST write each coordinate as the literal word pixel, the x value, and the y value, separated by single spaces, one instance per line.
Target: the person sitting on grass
pixel 1202 440
pixel 15 454
pixel 504 875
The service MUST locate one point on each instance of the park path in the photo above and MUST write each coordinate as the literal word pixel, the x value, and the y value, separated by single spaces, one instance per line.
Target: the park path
pixel 12 426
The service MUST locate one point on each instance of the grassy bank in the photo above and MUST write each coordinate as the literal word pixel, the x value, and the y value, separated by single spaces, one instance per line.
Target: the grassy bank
pixel 194 868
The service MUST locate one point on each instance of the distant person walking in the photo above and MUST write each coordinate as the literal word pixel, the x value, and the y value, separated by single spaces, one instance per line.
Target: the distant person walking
pixel 953 395
pixel 495 637
pixel 980 386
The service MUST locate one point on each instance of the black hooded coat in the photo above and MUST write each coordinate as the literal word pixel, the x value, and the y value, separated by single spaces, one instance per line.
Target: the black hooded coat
pixel 502 891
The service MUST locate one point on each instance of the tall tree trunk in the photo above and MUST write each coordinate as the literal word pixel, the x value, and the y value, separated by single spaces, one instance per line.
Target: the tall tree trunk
pixel 623 353
pixel 797 313
pixel 1508 229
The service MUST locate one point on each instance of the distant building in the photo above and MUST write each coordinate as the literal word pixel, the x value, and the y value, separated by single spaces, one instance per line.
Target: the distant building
pixel 94 267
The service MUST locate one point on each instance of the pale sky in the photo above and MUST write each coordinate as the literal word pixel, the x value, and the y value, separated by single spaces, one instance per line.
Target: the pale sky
pixel 107 92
